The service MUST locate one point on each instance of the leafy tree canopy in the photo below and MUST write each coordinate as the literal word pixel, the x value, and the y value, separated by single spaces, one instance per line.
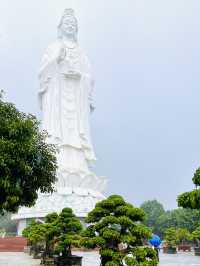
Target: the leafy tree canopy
pixel 27 162
pixel 191 199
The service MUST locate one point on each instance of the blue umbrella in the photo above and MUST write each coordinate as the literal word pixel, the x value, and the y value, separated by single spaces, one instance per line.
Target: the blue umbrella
pixel 155 241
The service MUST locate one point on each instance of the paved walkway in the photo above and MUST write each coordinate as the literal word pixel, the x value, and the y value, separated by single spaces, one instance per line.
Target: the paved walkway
pixel 91 259
pixel 17 259
pixel 181 259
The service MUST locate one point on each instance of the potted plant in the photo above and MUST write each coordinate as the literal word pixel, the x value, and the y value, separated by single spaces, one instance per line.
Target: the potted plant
pixel 183 237
pixel 170 237
pixel 114 226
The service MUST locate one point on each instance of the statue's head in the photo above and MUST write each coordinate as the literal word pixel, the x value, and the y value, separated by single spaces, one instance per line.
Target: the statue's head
pixel 68 26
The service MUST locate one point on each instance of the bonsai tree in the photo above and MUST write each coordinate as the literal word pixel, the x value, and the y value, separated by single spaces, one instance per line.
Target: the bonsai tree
pixel 35 233
pixel 58 234
pixel 42 233
pixel 27 162
pixel 26 232
pixel 69 228
pixel 50 233
pixel 115 228
pixel 170 236
pixel 183 236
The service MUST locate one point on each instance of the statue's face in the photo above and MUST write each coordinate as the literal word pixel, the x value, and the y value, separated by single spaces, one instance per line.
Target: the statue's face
pixel 69 25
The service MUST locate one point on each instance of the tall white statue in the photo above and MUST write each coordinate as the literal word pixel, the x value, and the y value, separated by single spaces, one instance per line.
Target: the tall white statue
pixel 65 97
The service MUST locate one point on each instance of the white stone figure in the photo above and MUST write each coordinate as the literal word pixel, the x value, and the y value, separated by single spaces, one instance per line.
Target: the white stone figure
pixel 65 98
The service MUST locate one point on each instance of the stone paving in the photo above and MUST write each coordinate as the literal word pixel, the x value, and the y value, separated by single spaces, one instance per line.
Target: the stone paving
pixel 91 259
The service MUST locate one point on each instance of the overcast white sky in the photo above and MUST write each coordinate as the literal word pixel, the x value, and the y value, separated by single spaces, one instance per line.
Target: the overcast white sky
pixel 146 61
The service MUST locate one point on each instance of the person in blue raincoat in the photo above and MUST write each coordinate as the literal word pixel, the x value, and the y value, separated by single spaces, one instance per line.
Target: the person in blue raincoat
pixel 155 242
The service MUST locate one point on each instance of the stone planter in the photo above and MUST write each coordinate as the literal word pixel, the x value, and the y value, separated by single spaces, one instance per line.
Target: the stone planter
pixel 184 247
pixel 68 261
pixel 197 251
pixel 48 262
pixel 169 250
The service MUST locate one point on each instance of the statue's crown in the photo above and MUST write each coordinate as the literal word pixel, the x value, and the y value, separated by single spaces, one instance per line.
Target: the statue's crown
pixel 68 12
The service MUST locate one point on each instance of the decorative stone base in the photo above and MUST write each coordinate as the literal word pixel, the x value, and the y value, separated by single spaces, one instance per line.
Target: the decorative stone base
pixel 80 200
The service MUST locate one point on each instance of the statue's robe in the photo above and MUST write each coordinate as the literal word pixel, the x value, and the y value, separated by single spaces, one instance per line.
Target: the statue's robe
pixel 65 104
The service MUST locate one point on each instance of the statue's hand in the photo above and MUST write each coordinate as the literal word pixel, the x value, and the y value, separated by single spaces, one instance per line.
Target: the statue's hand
pixel 62 55
pixel 73 74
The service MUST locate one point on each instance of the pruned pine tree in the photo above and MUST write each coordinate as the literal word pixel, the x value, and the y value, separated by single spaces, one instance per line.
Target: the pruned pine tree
pixel 115 228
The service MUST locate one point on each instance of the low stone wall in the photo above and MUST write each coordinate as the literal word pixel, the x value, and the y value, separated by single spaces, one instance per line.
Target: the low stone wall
pixel 12 244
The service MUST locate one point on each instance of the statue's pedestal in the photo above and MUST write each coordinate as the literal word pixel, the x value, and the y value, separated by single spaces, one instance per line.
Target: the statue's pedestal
pixel 80 200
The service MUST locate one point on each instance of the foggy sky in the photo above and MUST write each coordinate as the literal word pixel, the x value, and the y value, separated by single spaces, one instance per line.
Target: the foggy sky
pixel 146 62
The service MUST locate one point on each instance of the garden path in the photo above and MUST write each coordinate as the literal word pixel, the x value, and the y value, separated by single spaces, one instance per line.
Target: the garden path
pixel 91 259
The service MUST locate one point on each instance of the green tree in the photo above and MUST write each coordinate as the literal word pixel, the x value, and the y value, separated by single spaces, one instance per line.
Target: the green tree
pixel 153 210
pixel 27 162
pixel 191 199
pixel 178 218
pixel 196 235
pixel 115 227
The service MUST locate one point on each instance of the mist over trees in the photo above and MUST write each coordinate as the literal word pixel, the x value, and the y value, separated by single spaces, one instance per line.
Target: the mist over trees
pixel 159 219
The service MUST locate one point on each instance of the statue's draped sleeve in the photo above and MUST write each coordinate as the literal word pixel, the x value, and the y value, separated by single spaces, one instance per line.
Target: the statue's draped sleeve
pixel 48 67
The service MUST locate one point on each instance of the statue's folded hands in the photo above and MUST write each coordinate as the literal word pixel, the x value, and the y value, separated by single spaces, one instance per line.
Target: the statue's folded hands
pixel 72 74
